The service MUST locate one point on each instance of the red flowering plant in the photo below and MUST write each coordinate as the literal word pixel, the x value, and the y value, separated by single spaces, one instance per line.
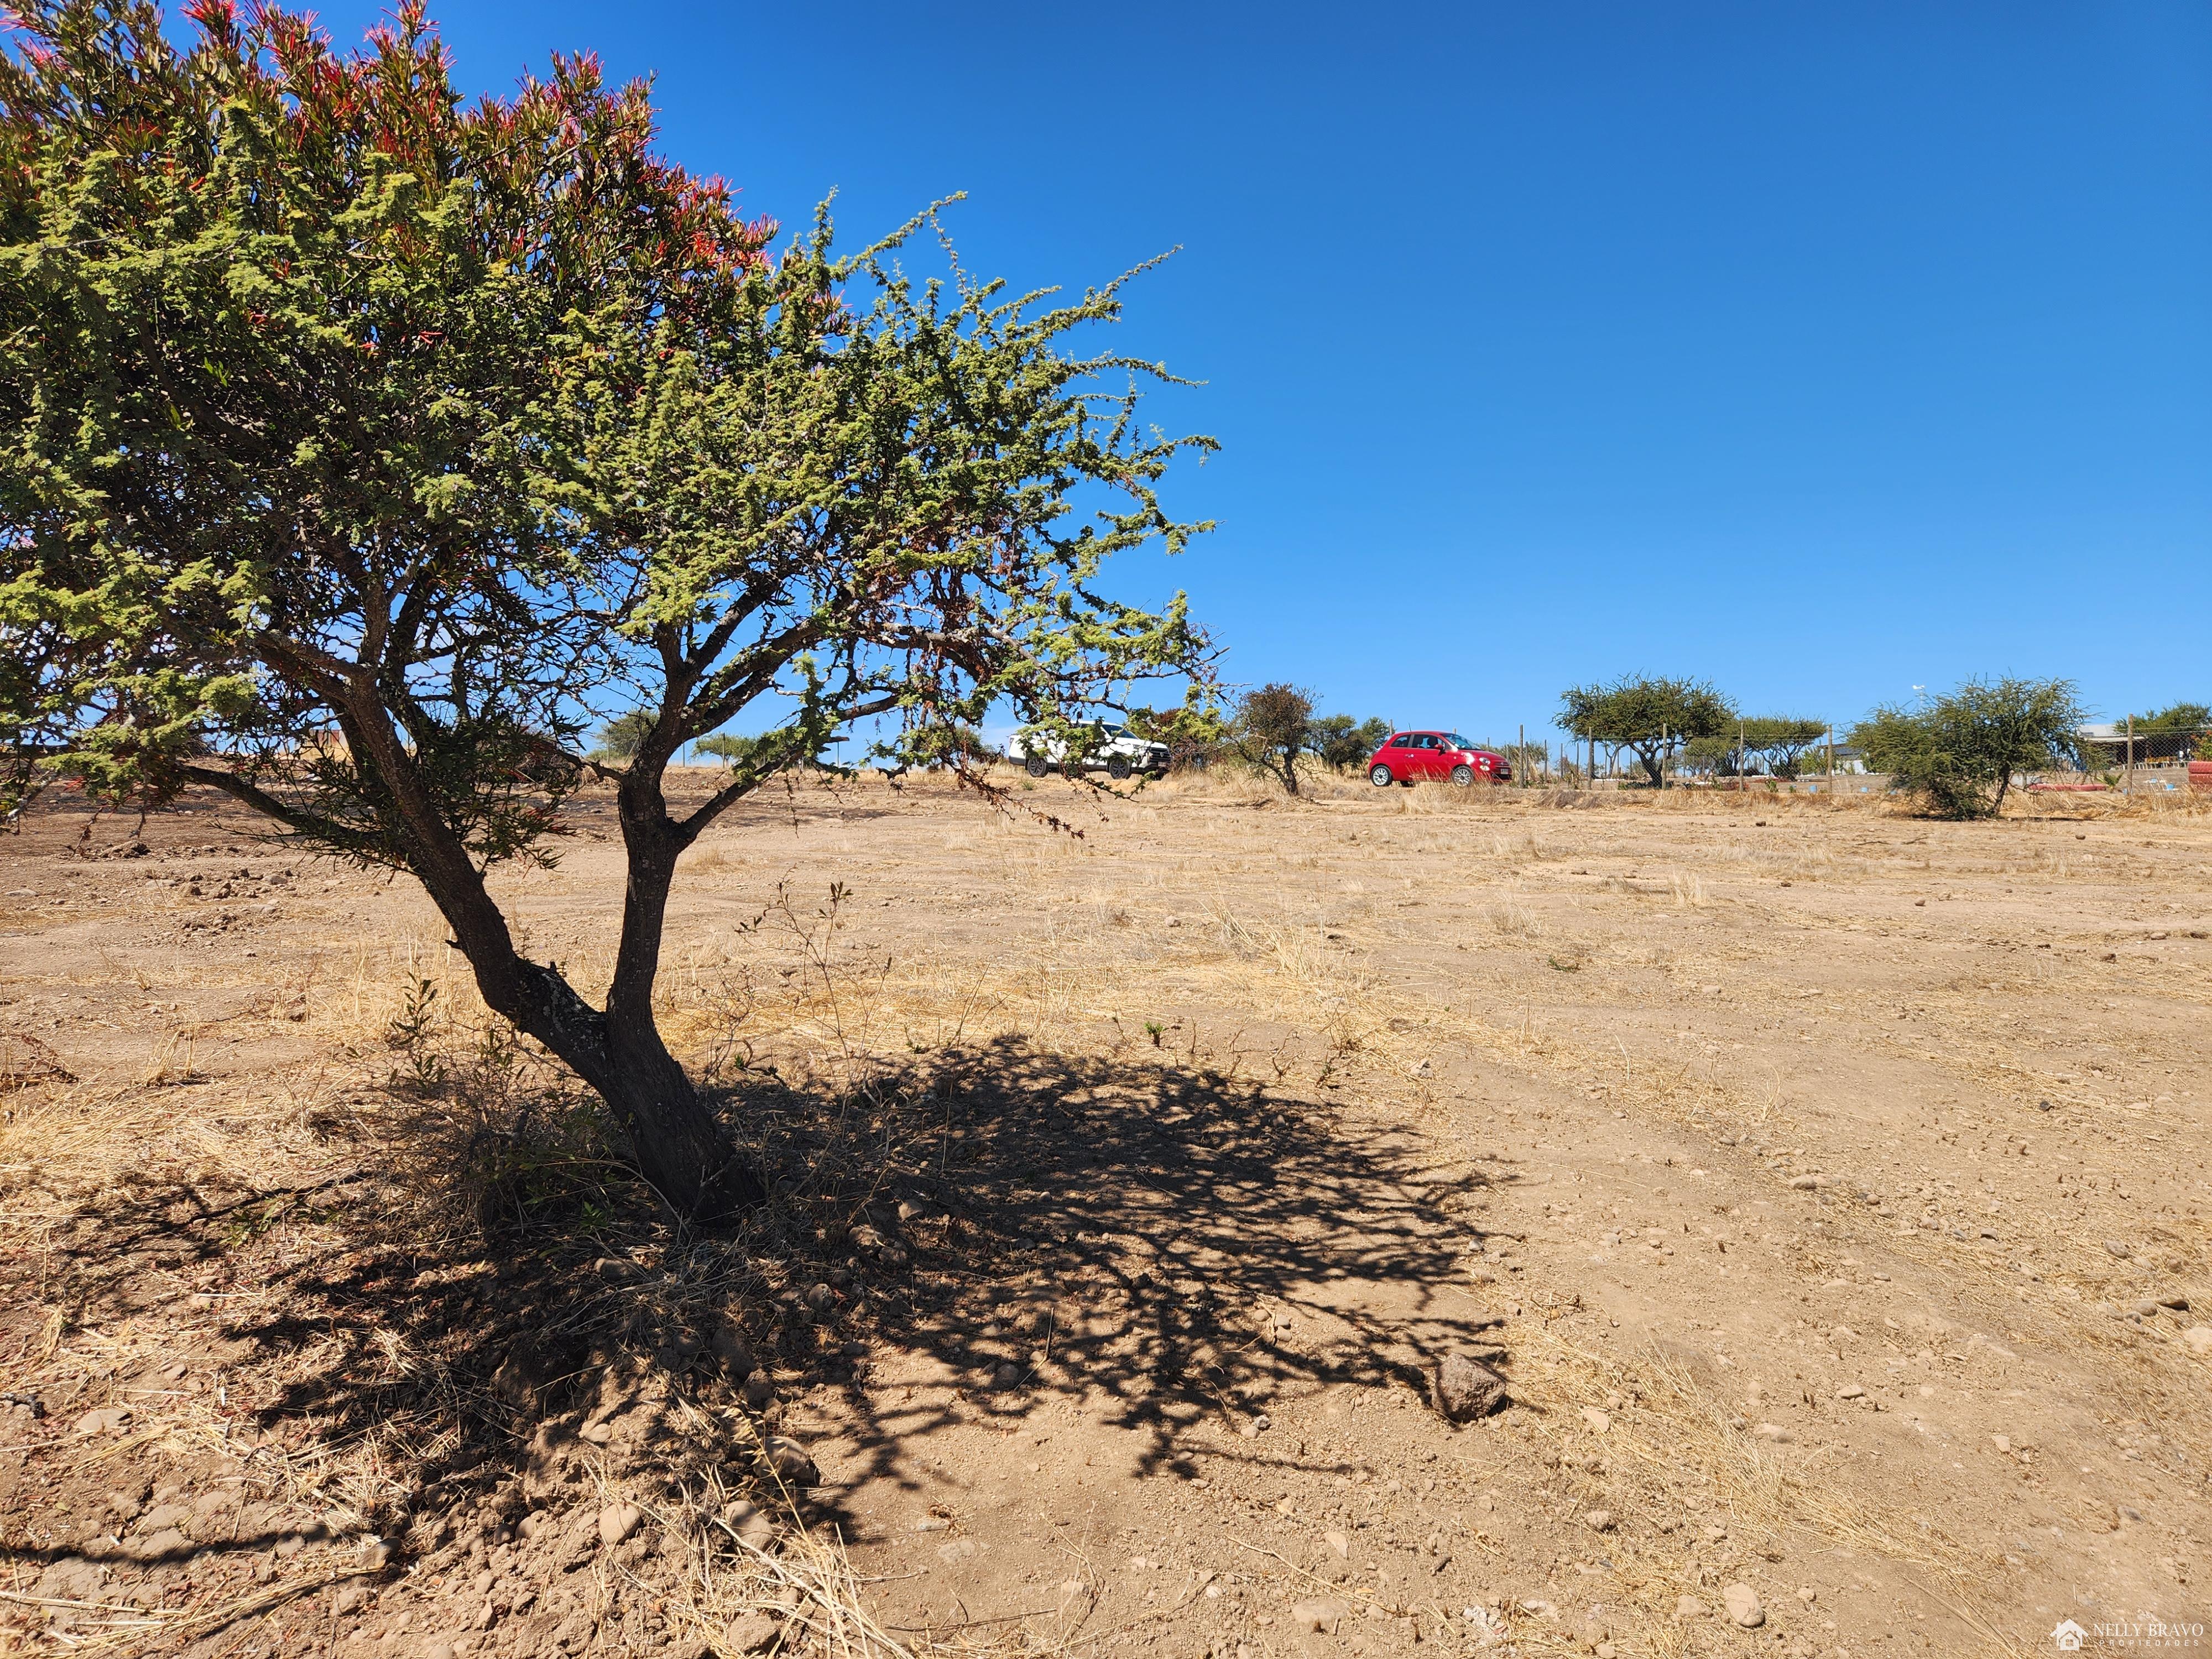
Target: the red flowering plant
pixel 362 447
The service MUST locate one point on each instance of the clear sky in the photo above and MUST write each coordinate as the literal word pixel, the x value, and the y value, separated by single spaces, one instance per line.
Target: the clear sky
pixel 1822 350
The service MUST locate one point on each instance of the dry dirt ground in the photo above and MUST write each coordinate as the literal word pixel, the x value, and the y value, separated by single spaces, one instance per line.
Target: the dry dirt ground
pixel 1827 1186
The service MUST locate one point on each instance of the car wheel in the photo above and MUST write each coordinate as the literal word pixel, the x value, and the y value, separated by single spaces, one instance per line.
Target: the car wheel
pixel 1035 766
pixel 1462 775
pixel 1380 776
pixel 1117 766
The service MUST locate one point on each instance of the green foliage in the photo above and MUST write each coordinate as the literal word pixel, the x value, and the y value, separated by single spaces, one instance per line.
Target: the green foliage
pixel 1708 758
pixel 1274 726
pixel 1649 716
pixel 1780 740
pixel 1342 743
pixel 1958 755
pixel 358 443
pixel 1196 733
pixel 621 738
pixel 728 748
pixel 2174 717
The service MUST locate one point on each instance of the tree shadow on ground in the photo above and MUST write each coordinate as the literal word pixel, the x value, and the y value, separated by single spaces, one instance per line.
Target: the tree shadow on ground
pixel 1180 1244
pixel 1175 1245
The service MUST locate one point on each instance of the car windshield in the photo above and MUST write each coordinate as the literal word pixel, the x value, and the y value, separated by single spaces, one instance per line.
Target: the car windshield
pixel 1456 741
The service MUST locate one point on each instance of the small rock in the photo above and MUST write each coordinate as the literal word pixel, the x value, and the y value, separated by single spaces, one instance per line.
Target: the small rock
pixel 751 1523
pixel 1803 1183
pixel 960 1550
pixel 1689 1607
pixel 2199 1338
pixel 617 1521
pixel 909 1210
pixel 751 1632
pixel 1007 1376
pixel 1339 1546
pixel 1742 1604
pixel 350 1598
pixel 821 1297
pixel 106 1419
pixel 1174 921
pixel 1466 1388
pixel 1596 1420
pixel 791 1462
pixel 1774 1431
pixel 2001 1443
pixel 2115 1248
pixel 1599 1519
pixel 1323 1616
pixel 760 1391
pixel 1851 1391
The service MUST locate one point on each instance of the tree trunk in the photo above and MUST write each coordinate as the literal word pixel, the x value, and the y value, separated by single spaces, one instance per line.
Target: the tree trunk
pixel 679 1147
pixel 1290 771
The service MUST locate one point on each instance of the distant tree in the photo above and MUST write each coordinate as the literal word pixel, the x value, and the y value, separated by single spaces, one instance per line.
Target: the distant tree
pixel 1342 744
pixel 1709 757
pixel 1780 740
pixel 2174 717
pixel 1274 726
pixel 1195 732
pixel 1958 754
pixel 621 738
pixel 1651 717
pixel 729 748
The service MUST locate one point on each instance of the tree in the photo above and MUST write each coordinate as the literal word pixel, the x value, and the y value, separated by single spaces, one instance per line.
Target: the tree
pixel 1958 754
pixel 2174 717
pixel 1708 758
pixel 621 738
pixel 1649 716
pixel 1342 744
pixel 1274 726
pixel 1782 741
pixel 357 445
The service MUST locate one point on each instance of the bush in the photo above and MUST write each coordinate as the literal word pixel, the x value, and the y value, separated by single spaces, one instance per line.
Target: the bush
pixel 1958 756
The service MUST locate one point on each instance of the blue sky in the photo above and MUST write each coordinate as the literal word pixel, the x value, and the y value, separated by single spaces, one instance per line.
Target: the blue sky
pixel 1820 350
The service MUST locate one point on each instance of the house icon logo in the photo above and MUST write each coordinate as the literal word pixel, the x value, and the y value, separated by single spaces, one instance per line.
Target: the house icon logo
pixel 2068 1637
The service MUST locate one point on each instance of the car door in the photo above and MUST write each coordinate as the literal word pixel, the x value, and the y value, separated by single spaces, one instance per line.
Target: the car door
pixel 1425 752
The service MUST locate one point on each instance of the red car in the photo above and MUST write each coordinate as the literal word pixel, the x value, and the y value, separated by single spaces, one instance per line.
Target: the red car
pixel 1415 756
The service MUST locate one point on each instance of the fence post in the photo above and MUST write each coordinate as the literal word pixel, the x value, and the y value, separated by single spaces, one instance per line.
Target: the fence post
pixel 2131 757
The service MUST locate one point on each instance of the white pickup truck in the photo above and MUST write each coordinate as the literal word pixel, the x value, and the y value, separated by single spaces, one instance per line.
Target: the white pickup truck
pixel 1116 751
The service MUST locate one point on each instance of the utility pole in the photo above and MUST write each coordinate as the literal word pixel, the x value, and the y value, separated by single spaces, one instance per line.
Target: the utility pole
pixel 1831 757
pixel 1521 754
